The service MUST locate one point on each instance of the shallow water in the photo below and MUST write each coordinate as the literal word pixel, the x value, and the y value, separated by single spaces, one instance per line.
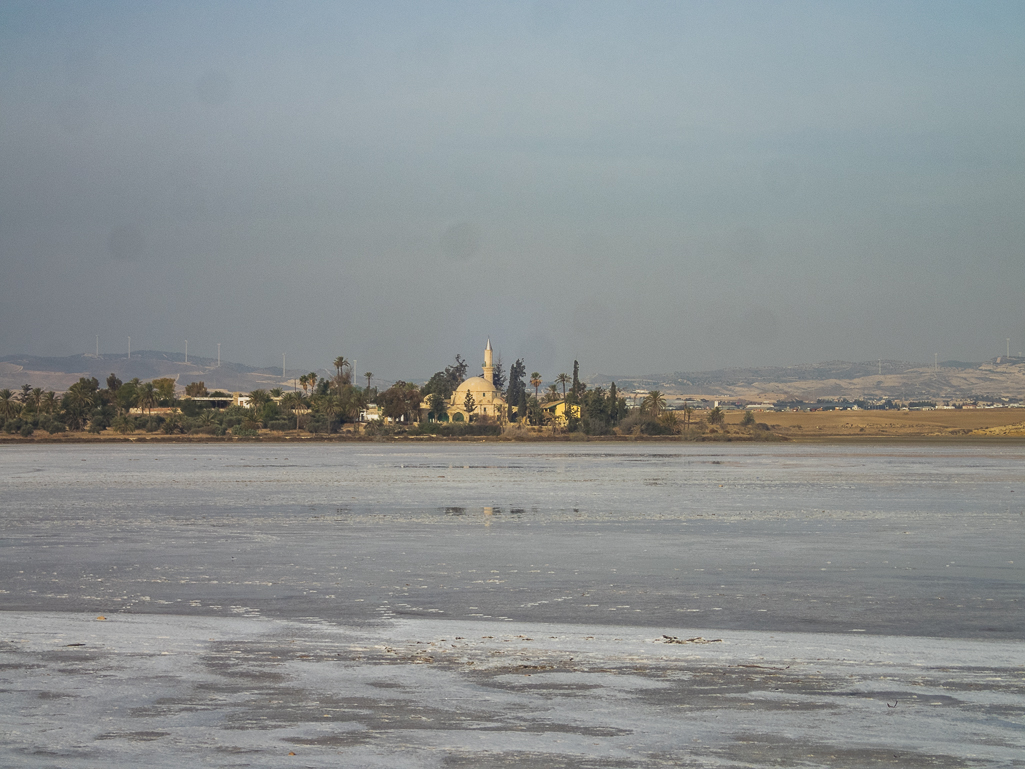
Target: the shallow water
pixel 512 605
pixel 894 541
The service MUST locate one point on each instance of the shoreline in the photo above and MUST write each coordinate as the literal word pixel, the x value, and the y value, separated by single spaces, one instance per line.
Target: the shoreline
pixel 85 439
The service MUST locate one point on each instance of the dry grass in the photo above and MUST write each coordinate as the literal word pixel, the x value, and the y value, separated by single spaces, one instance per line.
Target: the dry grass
pixel 884 424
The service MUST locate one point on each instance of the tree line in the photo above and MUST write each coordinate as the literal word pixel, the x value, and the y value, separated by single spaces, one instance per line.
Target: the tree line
pixel 322 404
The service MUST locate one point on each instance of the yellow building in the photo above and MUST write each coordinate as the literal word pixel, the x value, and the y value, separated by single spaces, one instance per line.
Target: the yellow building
pixel 558 411
pixel 487 399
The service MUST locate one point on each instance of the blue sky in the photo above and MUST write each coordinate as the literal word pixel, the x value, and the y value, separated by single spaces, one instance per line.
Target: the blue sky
pixel 644 187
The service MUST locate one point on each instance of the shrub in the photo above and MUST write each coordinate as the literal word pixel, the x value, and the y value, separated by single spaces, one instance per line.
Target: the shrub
pixel 26 430
pixel 318 423
pixel 456 429
pixel 655 427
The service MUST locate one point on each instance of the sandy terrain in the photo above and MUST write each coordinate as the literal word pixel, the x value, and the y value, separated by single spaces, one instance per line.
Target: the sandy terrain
pixel 891 424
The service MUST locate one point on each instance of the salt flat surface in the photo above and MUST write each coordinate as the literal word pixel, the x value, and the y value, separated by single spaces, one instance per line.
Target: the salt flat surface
pixel 512 605
pixel 134 690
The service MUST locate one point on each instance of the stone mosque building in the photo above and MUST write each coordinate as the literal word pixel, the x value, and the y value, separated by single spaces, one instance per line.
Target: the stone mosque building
pixel 487 398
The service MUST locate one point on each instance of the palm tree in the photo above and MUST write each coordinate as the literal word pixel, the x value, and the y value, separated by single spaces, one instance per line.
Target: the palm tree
pixel 293 401
pixel 687 413
pixel 147 397
pixel 654 404
pixel 551 394
pixel 535 380
pixel 304 382
pixel 173 423
pixel 563 379
pixel 671 421
pixel 49 403
pixel 313 379
pixel 369 375
pixel 82 398
pixel 340 363
pixel 123 424
pixel 276 392
pixel 8 406
pixel 257 399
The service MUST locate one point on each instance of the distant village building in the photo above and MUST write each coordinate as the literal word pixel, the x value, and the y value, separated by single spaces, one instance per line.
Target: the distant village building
pixel 558 411
pixel 486 399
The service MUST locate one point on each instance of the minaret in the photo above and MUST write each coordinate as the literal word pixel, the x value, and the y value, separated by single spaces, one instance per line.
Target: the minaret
pixel 489 367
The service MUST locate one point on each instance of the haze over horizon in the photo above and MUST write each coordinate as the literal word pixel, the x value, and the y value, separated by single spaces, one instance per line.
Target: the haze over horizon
pixel 643 187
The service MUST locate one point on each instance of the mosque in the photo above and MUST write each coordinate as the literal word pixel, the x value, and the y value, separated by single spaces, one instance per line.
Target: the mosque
pixel 487 399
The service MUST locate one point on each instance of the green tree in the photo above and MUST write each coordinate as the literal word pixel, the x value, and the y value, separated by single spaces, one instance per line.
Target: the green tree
pixel 165 390
pixel 617 406
pixel 147 397
pixel 123 424
pixel 535 413
pixel 498 376
pixel 35 399
pixel 748 419
pixel 670 421
pixel 445 382
pixel 196 389
pixel 127 396
pixel 79 401
pixel 551 394
pixel 369 375
pixel 469 404
pixel 293 402
pixel 257 399
pixel 437 406
pixel 401 400
pixel 49 404
pixel 9 407
pixel 535 382
pixel 113 383
pixel 716 416
pixel 173 423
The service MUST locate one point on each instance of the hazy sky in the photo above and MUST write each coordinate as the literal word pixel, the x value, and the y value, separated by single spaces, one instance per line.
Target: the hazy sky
pixel 645 187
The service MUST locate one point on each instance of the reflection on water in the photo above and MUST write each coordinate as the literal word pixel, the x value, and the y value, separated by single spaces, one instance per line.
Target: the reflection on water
pixel 486 511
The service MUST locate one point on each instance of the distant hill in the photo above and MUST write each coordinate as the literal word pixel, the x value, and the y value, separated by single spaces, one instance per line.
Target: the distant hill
pixel 842 379
pixel 60 373
pixel 1002 377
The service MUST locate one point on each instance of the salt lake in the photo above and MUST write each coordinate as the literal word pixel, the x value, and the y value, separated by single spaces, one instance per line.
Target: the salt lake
pixel 461 604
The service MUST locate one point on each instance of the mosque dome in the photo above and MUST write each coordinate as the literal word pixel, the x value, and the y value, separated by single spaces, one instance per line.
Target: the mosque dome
pixel 476 385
